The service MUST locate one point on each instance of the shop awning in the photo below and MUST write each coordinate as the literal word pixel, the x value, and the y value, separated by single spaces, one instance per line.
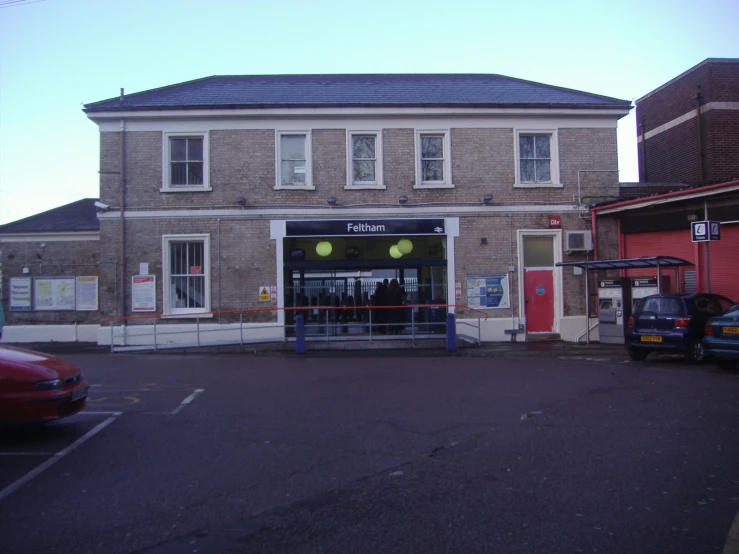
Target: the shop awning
pixel 629 263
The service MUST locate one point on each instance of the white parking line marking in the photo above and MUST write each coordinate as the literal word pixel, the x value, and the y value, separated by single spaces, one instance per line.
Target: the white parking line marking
pixel 186 401
pixel 10 489
pixel 97 413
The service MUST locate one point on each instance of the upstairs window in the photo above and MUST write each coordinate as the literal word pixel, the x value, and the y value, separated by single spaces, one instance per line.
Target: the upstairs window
pixel 537 159
pixel 185 162
pixel 365 160
pixel 433 166
pixel 293 160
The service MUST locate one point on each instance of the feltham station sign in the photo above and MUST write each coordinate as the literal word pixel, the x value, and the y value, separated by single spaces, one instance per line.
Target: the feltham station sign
pixel 364 227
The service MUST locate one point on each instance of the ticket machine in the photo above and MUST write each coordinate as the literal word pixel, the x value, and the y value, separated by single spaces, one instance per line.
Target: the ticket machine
pixel 614 296
pixel 642 287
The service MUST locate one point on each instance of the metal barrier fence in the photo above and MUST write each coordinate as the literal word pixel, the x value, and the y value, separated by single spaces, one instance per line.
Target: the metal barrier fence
pixel 381 323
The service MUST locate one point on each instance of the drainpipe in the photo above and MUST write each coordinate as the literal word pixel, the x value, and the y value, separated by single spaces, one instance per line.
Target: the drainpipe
pixel 593 230
pixel 122 202
pixel 707 250
pixel 220 307
pixel 701 165
pixel 643 152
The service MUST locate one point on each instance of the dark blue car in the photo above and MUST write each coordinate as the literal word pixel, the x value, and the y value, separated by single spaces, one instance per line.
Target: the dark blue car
pixel 672 323
pixel 721 340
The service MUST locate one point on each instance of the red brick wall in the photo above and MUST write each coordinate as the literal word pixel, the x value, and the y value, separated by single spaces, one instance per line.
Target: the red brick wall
pixel 673 155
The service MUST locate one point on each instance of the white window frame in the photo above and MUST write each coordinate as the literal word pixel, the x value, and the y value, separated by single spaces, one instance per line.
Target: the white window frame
pixel 350 182
pixel 167 168
pixel 446 183
pixel 554 182
pixel 308 161
pixel 166 276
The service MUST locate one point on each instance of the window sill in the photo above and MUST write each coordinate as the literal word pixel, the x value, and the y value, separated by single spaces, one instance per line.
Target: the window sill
pixel 200 315
pixel 295 187
pixel 538 185
pixel 186 188
pixel 433 186
pixel 365 186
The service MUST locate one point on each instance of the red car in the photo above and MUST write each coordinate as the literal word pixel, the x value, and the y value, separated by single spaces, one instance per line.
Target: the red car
pixel 38 387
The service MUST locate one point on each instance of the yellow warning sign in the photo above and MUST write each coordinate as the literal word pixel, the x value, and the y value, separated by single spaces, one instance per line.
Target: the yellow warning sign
pixel 264 294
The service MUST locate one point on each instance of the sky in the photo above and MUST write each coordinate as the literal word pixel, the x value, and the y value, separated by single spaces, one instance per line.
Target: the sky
pixel 56 55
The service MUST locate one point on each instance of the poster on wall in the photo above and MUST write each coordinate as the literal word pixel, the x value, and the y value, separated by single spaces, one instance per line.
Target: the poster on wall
pixel 54 293
pixel 143 293
pixel 20 294
pixel 486 292
pixel 87 294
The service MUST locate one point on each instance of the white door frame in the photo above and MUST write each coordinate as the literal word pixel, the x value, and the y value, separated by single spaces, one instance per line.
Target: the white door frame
pixel 556 234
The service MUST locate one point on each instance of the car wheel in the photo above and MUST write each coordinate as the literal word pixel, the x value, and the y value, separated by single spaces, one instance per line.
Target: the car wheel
pixel 695 354
pixel 727 364
pixel 638 354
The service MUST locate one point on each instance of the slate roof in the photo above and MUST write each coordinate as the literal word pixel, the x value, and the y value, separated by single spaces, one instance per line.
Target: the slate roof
pixel 368 90
pixel 77 216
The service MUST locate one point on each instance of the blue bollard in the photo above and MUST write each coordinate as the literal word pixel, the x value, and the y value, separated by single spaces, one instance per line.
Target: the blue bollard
pixel 451 333
pixel 299 335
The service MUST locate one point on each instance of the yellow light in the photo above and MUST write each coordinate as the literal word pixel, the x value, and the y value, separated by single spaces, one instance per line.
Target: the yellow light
pixel 394 252
pixel 324 248
pixel 405 246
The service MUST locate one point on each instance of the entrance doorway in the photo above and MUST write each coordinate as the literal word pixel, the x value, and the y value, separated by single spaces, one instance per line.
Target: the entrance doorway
pixel 539 293
pixel 335 280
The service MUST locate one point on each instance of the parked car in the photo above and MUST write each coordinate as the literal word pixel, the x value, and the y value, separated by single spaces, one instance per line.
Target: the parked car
pixel 721 338
pixel 38 387
pixel 672 323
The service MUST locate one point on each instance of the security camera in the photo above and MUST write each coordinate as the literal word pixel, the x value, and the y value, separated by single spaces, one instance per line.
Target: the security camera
pixel 100 206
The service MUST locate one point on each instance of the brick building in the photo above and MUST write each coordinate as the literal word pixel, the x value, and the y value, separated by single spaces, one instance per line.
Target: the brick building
pixel 688 129
pixel 275 192
pixel 50 264
pixel 688 134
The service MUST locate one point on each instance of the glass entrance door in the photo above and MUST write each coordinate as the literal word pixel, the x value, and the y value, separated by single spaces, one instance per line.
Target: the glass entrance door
pixel 339 287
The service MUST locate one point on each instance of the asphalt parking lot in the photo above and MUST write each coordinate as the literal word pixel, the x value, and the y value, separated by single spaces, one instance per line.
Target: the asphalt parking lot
pixel 569 452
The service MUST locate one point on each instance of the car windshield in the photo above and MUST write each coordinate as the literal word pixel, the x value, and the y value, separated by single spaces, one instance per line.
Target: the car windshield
pixel 662 306
pixel 733 311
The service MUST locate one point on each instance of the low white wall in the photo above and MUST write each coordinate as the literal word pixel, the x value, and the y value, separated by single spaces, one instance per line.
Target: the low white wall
pixel 50 333
pixel 491 330
pixel 187 333
pixel 571 327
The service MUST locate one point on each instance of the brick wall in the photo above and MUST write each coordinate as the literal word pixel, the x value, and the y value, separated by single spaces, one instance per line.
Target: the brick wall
pixel 245 258
pixel 242 163
pixel 56 259
pixel 674 155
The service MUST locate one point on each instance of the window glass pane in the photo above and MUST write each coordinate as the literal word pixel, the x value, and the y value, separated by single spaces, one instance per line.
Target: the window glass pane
pixel 527 171
pixel 293 147
pixel 542 170
pixel 195 150
pixel 364 171
pixel 538 251
pixel 179 173
pixel 363 147
pixel 178 150
pixel 292 172
pixel 196 292
pixel 432 170
pixel 195 173
pixel 432 147
pixel 542 146
pixel 526 146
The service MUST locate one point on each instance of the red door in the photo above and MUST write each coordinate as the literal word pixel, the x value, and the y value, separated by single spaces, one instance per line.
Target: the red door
pixel 538 290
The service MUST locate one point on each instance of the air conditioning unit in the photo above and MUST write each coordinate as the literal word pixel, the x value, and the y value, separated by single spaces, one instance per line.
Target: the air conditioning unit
pixel 578 241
